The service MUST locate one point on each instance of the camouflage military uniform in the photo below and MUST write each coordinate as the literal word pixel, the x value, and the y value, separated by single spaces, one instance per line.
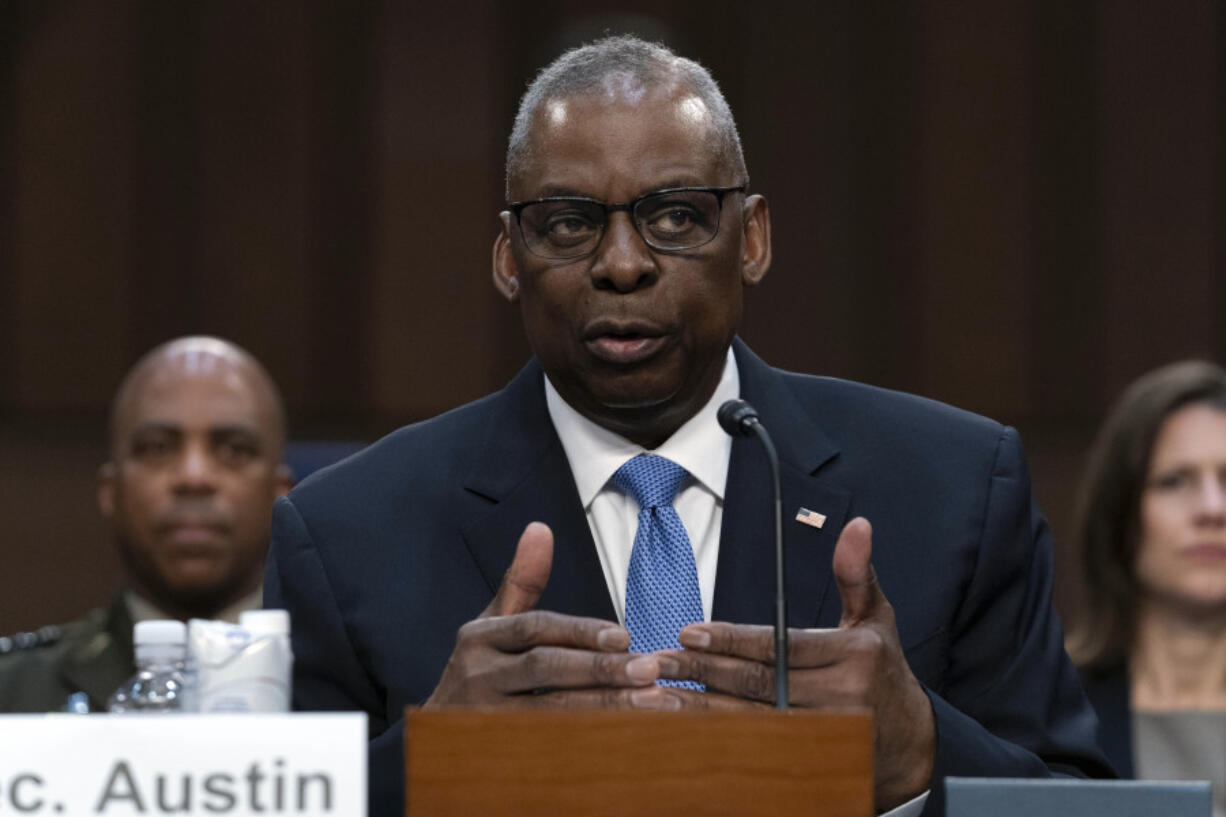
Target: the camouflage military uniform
pixel 38 671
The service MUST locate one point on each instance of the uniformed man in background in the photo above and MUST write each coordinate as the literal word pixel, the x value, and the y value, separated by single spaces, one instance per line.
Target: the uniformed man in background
pixel 197 432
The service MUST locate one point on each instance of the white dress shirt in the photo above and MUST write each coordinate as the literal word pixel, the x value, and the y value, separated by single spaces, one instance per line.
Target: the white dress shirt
pixel 703 449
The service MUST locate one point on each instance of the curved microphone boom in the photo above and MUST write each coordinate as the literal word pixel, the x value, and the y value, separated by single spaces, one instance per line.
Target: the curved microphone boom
pixel 740 419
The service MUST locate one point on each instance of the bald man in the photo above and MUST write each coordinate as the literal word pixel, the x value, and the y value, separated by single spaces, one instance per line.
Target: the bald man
pixel 197 431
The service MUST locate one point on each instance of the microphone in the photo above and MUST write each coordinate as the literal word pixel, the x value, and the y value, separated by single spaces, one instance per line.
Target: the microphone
pixel 740 419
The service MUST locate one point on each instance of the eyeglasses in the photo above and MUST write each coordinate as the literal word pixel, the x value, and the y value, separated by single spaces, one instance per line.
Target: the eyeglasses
pixel 570 227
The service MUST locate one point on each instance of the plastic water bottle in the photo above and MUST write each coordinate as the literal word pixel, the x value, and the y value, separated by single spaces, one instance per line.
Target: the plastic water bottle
pixel 274 672
pixel 157 686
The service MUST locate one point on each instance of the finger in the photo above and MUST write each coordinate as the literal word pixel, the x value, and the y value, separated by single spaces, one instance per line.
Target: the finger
pixel 528 574
pixel 756 642
pixel 853 571
pixel 751 680
pixel 537 628
pixel 553 668
pixel 840 684
pixel 753 641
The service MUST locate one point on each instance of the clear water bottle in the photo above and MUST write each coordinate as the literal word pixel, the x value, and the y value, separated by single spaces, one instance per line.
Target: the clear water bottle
pixel 157 686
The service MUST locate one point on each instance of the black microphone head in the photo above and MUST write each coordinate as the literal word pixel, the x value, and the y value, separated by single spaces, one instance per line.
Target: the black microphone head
pixel 737 417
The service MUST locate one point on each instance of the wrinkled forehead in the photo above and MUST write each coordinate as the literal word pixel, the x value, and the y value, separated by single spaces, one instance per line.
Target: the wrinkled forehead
pixel 660 123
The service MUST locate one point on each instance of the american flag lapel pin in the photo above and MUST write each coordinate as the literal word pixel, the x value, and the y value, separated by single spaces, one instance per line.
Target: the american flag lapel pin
pixel 812 518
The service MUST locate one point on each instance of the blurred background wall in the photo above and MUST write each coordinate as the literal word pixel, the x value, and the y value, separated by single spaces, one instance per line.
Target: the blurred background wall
pixel 1015 207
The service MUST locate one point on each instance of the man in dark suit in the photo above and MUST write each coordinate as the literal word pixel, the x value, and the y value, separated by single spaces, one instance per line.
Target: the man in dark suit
pixel 196 436
pixel 627 245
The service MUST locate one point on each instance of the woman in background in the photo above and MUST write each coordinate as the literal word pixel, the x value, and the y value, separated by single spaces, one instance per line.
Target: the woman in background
pixel 1151 645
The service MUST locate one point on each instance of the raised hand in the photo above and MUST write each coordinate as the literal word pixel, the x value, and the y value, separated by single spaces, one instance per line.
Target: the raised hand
pixel 514 655
pixel 859 664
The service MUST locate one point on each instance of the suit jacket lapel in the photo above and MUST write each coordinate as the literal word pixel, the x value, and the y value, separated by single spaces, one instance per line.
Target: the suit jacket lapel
pixel 745 583
pixel 523 469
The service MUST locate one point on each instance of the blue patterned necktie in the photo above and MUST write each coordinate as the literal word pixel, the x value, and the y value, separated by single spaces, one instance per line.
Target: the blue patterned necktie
pixel 662 594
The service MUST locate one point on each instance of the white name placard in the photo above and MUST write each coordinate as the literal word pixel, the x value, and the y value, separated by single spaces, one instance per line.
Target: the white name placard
pixel 152 765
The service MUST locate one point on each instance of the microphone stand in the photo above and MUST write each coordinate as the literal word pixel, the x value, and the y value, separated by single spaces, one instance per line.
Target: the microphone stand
pixel 781 616
pixel 738 418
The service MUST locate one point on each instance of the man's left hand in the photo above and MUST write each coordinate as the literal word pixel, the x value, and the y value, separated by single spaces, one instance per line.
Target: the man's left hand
pixel 859 664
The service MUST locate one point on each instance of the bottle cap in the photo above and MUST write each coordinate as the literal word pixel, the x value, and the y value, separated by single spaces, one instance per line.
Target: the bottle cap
pixel 160 631
pixel 265 622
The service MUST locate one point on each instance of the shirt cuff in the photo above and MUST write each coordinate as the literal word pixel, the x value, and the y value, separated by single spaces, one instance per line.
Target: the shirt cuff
pixel 911 808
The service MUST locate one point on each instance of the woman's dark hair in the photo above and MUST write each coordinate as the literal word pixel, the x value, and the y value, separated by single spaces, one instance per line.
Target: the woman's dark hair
pixel 1108 506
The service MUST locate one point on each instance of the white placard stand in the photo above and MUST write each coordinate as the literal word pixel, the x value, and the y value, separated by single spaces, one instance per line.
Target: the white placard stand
pixel 308 765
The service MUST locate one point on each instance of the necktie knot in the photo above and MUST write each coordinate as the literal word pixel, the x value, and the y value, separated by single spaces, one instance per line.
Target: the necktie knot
pixel 651 479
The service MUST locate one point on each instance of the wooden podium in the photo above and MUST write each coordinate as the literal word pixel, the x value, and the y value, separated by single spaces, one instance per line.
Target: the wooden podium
pixel 588 763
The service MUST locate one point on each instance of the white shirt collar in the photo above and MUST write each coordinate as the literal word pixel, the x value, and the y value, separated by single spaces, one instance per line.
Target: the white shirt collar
pixel 700 446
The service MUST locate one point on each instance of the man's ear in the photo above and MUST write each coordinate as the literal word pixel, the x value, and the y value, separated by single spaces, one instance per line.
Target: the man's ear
pixel 756 259
pixel 506 274
pixel 284 480
pixel 107 477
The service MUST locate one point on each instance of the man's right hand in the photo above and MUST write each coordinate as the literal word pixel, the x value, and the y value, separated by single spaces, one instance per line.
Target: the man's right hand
pixel 513 655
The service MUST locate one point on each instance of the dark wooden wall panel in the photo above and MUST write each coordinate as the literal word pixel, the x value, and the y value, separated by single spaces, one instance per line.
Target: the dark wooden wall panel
pixel 1066 375
pixel 437 325
pixel 801 146
pixel 1218 304
pixel 259 138
pixel 974 207
pixel 72 255
pixel 165 63
pixel 886 344
pixel 58 560
pixel 1158 177
pixel 832 143
pixel 10 26
pixel 346 71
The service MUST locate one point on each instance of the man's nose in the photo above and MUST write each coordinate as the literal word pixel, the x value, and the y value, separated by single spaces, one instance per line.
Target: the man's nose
pixel 196 472
pixel 623 261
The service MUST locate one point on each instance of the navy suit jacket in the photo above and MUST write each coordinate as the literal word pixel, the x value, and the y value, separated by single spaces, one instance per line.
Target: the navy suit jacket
pixel 381 558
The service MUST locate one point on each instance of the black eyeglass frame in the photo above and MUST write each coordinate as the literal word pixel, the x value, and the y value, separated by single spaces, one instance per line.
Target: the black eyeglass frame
pixel 517 209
